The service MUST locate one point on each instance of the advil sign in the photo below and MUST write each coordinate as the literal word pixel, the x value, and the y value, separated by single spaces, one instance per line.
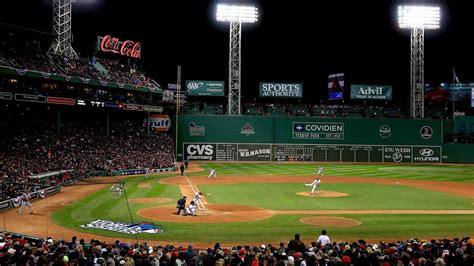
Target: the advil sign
pixel 114 45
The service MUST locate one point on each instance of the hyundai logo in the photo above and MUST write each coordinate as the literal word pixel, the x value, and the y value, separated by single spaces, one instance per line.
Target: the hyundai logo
pixel 426 152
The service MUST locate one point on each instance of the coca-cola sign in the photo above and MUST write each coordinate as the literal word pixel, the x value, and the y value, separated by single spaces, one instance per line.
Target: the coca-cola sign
pixel 126 48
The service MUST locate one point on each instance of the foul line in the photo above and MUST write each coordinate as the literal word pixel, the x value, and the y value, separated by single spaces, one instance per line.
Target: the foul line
pixel 374 212
pixel 194 192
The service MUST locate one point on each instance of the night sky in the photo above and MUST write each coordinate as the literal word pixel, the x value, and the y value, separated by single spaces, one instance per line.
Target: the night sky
pixel 294 41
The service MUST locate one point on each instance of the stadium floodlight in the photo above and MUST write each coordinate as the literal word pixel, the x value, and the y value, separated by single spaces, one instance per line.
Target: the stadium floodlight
pixel 228 13
pixel 418 18
pixel 425 17
pixel 236 15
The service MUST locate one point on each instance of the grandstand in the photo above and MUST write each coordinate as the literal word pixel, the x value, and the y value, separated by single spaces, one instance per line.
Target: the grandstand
pixel 74 127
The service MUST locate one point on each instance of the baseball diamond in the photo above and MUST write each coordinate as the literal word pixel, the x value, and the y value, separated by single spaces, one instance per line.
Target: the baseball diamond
pixel 245 198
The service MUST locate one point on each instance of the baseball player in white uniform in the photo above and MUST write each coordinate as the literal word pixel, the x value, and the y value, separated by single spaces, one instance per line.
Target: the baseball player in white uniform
pixel 212 173
pixel 316 183
pixel 197 199
pixel 191 209
pixel 147 172
pixel 320 171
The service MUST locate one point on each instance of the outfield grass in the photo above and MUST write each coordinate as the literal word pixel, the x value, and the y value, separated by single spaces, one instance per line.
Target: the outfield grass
pixel 455 173
pixel 281 196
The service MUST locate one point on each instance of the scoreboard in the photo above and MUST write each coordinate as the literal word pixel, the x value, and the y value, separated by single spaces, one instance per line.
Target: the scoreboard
pixel 312 152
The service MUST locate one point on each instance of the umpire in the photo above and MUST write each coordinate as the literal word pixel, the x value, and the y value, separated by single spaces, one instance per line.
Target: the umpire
pixel 181 204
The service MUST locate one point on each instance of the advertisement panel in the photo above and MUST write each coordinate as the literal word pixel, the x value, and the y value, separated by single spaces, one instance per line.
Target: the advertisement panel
pixel 132 107
pixel 371 92
pixel 336 86
pixel 398 154
pixel 5 205
pixel 318 130
pixel 114 45
pixel 472 97
pixel 62 101
pixel 281 90
pixel 5 95
pixel 159 123
pixel 254 152
pixel 204 88
pixel 30 98
pixel 426 154
pixel 199 151
pixel 153 109
pixel 196 130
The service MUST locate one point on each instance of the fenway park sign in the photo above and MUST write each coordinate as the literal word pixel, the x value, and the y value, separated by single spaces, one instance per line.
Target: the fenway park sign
pixel 114 45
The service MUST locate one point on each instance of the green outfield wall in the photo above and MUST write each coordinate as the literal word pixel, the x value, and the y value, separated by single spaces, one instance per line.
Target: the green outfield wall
pixel 248 138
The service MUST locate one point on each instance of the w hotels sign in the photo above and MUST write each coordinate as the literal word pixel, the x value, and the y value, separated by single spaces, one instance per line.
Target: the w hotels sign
pixel 114 45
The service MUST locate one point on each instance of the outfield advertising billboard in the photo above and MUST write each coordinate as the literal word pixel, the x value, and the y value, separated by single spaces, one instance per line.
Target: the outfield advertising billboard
pixel 312 152
pixel 254 152
pixel 371 92
pixel 281 90
pixel 318 130
pixel 204 88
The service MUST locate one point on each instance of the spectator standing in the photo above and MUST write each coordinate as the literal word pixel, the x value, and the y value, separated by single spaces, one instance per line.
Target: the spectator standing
pixel 296 245
pixel 323 239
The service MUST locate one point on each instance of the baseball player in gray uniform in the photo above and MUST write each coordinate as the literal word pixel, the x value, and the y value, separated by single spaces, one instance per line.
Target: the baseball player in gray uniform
pixel 315 184
pixel 320 171
pixel 212 173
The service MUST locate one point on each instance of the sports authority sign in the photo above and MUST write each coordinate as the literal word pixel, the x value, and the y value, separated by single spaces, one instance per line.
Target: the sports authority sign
pixel 204 88
pixel 318 130
pixel 371 92
pixel 114 45
pixel 201 151
pixel 281 90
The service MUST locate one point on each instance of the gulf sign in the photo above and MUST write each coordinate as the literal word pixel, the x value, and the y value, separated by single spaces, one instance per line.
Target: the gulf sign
pixel 159 123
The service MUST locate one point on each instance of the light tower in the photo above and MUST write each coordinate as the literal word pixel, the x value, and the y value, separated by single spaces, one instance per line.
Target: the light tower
pixel 236 15
pixel 418 18
pixel 62 17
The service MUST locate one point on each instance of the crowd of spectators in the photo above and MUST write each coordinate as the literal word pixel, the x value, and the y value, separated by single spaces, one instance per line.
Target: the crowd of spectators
pixel 78 91
pixel 35 148
pixel 29 55
pixel 20 250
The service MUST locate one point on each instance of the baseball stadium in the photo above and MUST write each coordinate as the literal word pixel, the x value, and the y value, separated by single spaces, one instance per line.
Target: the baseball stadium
pixel 102 165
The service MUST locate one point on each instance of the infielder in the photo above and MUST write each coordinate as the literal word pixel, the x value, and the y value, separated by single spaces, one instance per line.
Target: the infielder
pixel 320 171
pixel 197 199
pixel 212 173
pixel 316 183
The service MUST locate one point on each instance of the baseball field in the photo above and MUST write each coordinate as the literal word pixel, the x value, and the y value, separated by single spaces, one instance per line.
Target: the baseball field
pixel 250 203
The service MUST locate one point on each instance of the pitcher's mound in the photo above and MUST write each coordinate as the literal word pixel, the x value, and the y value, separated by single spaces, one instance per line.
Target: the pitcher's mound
pixel 149 200
pixel 330 221
pixel 214 213
pixel 323 194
